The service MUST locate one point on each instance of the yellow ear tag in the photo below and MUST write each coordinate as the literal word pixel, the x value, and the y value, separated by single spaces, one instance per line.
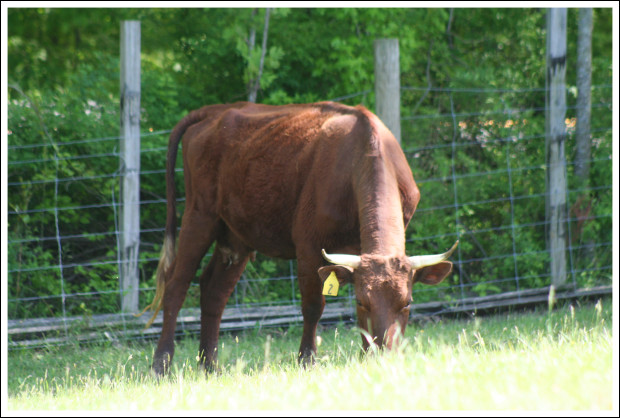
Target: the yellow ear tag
pixel 330 287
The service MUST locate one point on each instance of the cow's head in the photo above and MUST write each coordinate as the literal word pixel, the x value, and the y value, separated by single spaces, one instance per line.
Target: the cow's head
pixel 383 288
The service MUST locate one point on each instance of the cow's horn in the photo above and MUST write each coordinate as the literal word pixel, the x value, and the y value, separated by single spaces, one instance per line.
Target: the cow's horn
pixel 349 260
pixel 419 261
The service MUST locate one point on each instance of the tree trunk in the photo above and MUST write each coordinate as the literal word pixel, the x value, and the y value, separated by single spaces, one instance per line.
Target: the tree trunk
pixel 255 83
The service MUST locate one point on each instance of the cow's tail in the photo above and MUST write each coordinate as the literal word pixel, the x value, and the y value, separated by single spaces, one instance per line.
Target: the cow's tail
pixel 168 249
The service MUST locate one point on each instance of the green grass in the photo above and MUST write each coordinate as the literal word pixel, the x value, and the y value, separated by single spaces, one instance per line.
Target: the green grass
pixel 529 361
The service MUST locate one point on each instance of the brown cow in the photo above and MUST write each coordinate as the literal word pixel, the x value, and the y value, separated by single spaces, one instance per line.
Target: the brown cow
pixel 290 181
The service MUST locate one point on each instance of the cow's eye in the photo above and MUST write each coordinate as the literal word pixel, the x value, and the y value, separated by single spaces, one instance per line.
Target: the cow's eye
pixel 408 306
pixel 360 305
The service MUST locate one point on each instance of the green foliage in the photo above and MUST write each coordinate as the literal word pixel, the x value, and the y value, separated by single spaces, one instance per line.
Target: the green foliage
pixel 39 131
pixel 488 147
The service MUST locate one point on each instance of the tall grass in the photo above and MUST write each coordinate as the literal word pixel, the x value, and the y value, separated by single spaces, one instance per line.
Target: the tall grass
pixel 558 360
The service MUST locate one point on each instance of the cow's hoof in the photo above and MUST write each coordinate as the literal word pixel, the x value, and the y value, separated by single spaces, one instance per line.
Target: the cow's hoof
pixel 161 365
pixel 306 361
pixel 210 367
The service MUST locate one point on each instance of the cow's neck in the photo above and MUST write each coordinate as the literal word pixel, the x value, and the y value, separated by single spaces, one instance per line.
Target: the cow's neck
pixel 380 213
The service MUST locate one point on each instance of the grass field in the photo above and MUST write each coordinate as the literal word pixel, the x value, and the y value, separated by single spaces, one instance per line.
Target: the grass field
pixel 527 361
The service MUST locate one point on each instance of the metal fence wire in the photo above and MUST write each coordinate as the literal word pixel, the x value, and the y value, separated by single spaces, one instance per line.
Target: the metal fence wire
pixel 480 167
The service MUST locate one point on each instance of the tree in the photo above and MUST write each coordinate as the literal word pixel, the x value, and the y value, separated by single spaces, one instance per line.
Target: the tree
pixel 254 82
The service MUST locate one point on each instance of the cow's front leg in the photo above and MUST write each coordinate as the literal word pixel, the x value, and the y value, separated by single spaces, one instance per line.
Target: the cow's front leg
pixel 312 305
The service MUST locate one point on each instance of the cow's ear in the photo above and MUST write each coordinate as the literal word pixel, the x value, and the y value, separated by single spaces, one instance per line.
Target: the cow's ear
pixel 433 274
pixel 343 273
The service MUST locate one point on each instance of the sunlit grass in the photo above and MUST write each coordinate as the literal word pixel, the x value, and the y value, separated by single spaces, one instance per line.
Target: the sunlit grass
pixel 561 360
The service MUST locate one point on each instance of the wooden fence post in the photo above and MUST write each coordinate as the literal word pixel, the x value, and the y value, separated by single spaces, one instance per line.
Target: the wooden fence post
pixel 555 138
pixel 387 84
pixel 584 101
pixel 130 165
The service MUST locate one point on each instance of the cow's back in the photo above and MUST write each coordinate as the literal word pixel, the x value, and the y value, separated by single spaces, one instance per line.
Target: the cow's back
pixel 270 171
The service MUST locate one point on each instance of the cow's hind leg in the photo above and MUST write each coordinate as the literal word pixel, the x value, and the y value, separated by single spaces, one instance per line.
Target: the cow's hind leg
pixel 197 234
pixel 216 285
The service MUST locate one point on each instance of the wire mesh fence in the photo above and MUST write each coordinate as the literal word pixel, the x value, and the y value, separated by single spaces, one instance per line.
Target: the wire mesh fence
pixel 492 190
pixel 478 159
